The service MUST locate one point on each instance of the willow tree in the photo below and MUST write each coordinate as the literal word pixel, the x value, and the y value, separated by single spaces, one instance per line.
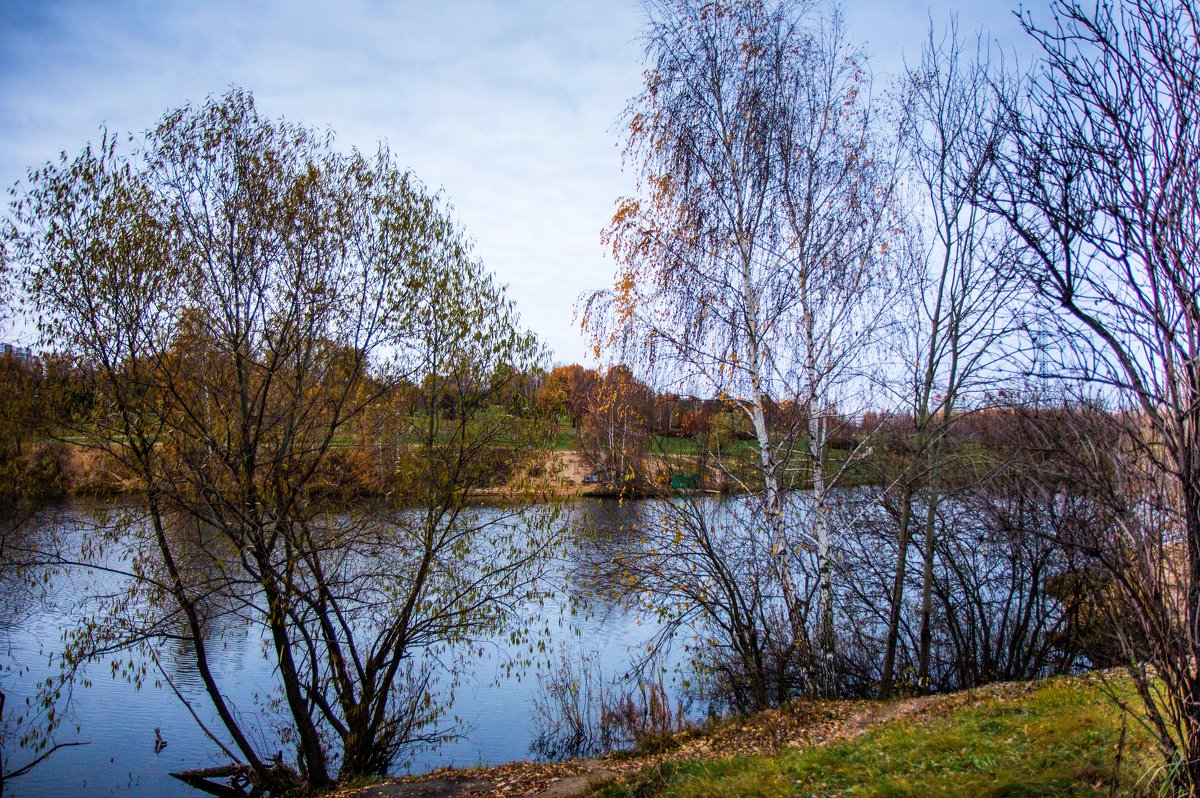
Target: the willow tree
pixel 751 260
pixel 243 293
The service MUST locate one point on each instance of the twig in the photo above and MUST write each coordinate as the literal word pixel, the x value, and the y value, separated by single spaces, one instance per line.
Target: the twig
pixel 28 767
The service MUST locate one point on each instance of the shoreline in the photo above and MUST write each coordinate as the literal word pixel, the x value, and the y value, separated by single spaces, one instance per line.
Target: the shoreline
pixel 67 469
pixel 805 728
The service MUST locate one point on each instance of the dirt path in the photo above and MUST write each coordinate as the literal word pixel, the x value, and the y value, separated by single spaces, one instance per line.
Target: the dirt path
pixel 882 713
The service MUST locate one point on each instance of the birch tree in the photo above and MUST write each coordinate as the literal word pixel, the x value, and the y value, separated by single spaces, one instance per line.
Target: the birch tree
pixel 751 260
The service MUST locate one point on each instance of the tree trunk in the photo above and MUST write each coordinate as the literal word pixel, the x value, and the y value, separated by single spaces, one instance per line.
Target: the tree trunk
pixel 934 497
pixel 826 641
pixel 893 630
pixel 195 627
pixel 927 596
pixel 312 752
pixel 777 524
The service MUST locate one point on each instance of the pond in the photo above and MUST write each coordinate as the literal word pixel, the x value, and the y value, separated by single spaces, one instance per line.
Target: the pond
pixel 118 721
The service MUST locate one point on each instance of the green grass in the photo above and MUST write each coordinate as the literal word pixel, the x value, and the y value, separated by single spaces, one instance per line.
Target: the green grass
pixel 1060 738
pixel 567 438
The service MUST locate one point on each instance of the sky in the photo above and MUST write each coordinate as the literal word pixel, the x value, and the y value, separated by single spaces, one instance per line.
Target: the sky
pixel 512 108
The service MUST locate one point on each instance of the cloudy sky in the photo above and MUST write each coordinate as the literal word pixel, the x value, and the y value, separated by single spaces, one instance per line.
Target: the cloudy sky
pixel 509 106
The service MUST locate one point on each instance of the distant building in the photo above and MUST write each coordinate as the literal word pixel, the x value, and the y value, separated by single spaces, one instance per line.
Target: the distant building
pixel 21 353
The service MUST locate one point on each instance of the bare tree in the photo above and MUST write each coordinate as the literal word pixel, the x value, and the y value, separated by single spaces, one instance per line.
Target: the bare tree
pixel 1098 178
pixel 703 568
pixel 956 294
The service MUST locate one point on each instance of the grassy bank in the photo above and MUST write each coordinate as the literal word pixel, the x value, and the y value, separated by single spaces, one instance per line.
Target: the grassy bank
pixel 1058 737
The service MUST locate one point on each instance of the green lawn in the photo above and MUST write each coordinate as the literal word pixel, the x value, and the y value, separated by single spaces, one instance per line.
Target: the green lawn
pixel 1052 738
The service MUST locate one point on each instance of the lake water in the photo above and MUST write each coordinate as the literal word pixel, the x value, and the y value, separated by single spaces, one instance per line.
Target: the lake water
pixel 118 722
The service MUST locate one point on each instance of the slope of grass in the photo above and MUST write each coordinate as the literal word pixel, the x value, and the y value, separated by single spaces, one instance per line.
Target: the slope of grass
pixel 1059 737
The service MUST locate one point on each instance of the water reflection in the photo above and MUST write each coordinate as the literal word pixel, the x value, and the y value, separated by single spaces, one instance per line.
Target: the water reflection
pixel 118 718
